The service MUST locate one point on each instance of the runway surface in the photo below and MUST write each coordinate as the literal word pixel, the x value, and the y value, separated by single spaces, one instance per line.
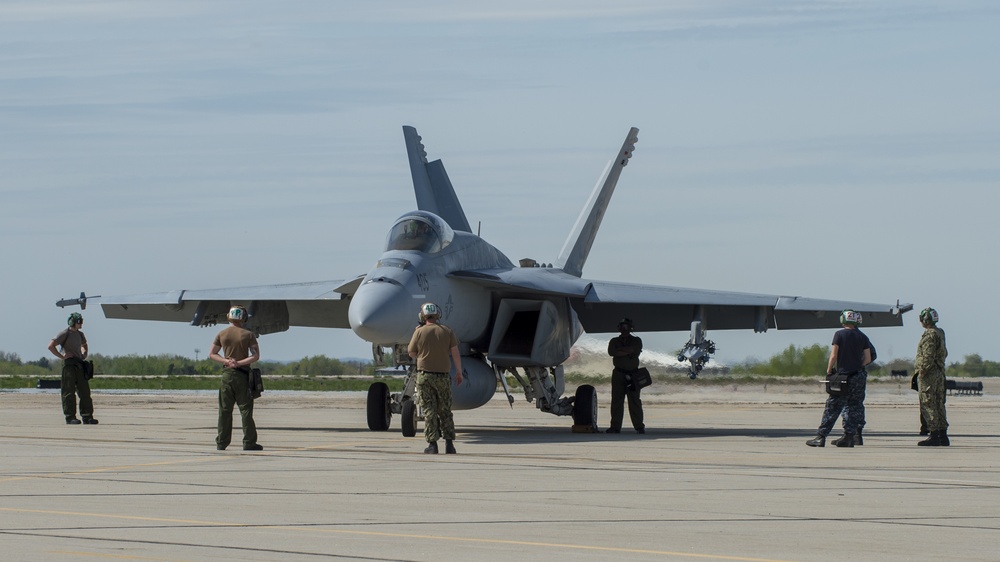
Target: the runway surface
pixel 723 473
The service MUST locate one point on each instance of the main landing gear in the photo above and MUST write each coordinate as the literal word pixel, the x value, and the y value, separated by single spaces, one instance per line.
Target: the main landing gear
pixel 545 386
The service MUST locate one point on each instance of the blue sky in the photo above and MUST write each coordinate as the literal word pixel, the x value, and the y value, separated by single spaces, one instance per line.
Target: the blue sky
pixel 834 149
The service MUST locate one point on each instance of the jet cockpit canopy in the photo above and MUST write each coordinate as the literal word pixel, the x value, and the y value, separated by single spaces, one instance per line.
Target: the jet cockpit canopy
pixel 421 231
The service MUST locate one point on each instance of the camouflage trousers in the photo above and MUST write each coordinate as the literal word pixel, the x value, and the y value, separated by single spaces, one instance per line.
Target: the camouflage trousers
pixel 852 405
pixel 434 390
pixel 74 382
pixel 932 398
pixel 235 391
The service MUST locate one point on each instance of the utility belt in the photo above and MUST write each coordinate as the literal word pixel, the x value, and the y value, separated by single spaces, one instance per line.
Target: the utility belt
pixel 434 373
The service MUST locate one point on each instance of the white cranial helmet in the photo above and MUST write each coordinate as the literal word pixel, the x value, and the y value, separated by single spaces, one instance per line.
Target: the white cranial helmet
pixel 237 314
pixel 850 317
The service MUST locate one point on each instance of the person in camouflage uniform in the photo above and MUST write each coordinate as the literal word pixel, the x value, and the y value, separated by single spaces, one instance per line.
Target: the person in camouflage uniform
pixel 431 345
pixel 929 366
pixel 74 379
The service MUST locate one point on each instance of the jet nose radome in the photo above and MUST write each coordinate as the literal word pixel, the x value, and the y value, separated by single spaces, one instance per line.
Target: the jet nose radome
pixel 383 312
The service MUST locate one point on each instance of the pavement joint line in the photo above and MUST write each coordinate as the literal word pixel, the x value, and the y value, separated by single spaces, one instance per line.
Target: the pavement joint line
pixel 403 535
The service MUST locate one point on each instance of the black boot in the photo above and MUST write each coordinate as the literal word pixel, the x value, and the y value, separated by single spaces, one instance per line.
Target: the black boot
pixel 432 448
pixel 924 431
pixel 846 441
pixel 933 441
pixel 449 447
pixel 818 441
pixel 943 435
pixel 858 441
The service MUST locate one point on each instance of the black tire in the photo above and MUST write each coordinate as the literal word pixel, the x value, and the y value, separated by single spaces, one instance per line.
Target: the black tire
pixel 409 418
pixel 585 406
pixel 379 414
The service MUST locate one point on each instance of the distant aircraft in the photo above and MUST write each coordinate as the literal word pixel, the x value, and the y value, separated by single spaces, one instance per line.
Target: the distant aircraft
pixel 518 319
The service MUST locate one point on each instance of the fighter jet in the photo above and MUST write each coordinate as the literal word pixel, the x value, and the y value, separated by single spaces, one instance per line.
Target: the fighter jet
pixel 518 319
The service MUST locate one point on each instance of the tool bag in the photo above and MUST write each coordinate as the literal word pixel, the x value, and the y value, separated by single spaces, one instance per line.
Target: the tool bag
pixel 639 379
pixel 836 384
pixel 256 383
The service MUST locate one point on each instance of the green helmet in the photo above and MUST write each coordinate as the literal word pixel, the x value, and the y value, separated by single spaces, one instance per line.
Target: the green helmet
pixel 238 314
pixel 74 319
pixel 850 318
pixel 928 316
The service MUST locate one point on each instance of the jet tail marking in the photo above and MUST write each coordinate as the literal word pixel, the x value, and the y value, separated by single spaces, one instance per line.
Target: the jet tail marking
pixel 577 247
pixel 431 185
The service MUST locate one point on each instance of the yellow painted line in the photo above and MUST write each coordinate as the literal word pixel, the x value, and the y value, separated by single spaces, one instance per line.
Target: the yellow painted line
pixel 113 468
pixel 124 517
pixel 543 544
pixel 401 535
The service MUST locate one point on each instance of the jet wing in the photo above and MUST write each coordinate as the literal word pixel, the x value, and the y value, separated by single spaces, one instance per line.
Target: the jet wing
pixel 662 309
pixel 601 304
pixel 272 308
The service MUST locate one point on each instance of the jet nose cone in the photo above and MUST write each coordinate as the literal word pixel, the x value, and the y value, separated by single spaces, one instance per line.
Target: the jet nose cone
pixel 383 312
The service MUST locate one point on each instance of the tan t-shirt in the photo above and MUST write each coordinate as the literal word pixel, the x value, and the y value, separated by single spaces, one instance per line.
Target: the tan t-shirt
pixel 235 342
pixel 432 344
pixel 72 342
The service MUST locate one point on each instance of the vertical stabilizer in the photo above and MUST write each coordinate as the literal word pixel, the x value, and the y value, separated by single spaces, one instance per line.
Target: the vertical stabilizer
pixel 431 185
pixel 581 238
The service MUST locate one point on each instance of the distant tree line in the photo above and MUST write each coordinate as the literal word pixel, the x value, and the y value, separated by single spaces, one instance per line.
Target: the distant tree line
pixel 811 361
pixel 171 365
pixel 793 361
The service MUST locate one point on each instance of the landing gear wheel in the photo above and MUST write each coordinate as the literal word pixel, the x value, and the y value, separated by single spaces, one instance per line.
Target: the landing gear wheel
pixel 585 406
pixel 379 413
pixel 409 418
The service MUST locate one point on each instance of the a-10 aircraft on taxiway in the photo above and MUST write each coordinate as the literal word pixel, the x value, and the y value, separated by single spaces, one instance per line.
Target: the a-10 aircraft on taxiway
pixel 520 319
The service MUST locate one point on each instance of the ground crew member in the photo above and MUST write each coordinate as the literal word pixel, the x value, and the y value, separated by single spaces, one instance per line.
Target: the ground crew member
pixel 241 350
pixel 431 345
pixel 625 350
pixel 74 378
pixel 849 355
pixel 929 365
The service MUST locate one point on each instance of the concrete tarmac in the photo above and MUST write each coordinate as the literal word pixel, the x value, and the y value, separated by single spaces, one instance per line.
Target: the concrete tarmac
pixel 723 473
